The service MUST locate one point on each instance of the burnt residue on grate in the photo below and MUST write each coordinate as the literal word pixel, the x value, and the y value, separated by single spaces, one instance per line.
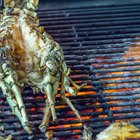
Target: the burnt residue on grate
pixel 95 41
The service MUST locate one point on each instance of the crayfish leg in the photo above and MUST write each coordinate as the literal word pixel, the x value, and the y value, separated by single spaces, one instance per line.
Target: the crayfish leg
pixel 8 84
pixel 69 89
pixel 46 118
pixel 49 91
pixel 66 81
pixel 67 100
pixel 21 107
pixel 19 111
pixel 65 86
pixel 47 111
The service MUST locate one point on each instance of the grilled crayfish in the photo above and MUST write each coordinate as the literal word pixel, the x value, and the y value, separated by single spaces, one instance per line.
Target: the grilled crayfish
pixel 28 55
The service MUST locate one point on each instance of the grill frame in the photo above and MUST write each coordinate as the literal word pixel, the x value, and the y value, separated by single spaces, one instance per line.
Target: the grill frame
pixel 89 47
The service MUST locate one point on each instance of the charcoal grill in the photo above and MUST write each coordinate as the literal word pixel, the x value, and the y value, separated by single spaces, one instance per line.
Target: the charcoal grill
pixel 95 36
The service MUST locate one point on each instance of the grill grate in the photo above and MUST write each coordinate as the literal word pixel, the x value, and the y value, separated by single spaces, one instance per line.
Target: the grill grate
pixel 94 41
